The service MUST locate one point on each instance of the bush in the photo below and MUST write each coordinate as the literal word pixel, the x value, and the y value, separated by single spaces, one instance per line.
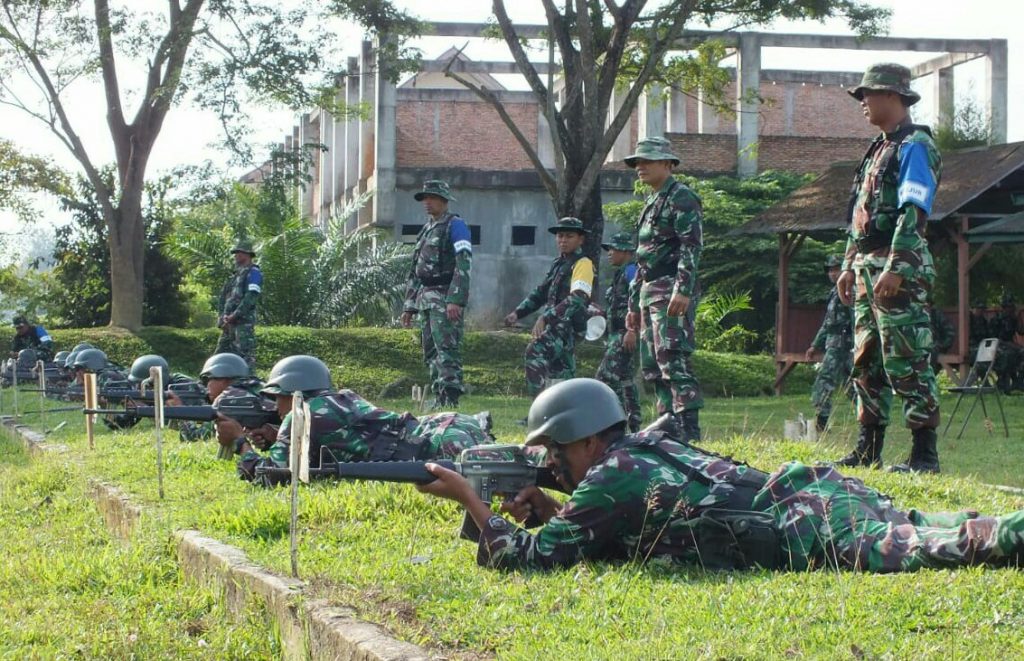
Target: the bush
pixel 369 359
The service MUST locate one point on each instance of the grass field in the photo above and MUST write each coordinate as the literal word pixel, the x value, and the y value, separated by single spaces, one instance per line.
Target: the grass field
pixel 394 555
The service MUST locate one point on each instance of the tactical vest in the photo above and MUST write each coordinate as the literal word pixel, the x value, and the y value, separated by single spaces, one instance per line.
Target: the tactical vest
pixel 561 287
pixel 435 272
pixel 236 289
pixel 616 297
pixel 669 266
pixel 887 176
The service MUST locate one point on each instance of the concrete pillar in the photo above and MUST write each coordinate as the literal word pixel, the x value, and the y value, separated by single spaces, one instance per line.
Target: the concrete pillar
pixel 326 173
pixel 351 167
pixel 338 149
pixel 945 103
pixel 384 175
pixel 652 113
pixel 748 78
pixel 367 125
pixel 621 147
pixel 545 147
pixel 996 86
pixel 676 112
pixel 308 138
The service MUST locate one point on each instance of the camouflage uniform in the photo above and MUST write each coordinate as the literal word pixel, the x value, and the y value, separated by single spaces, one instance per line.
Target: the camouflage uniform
pixel 353 429
pixel 618 367
pixel 562 297
pixel 190 431
pixel 943 335
pixel 36 339
pixel 440 277
pixel 892 196
pixel 239 298
pixel 979 326
pixel 635 503
pixel 670 241
pixel 1005 326
pixel 835 339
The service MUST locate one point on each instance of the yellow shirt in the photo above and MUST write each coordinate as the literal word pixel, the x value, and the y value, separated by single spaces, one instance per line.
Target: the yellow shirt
pixel 582 276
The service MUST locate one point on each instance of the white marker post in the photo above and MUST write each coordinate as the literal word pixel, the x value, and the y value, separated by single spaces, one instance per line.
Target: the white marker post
pixel 14 380
pixel 297 447
pixel 92 403
pixel 41 372
pixel 156 377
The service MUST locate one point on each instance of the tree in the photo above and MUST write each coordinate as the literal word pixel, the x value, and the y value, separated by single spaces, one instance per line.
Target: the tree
pixel 80 283
pixel 629 46
pixel 22 173
pixel 219 54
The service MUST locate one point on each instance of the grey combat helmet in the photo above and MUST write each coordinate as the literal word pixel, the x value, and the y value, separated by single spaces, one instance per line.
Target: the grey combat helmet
pixel 224 366
pixel 306 373
pixel 572 410
pixel 60 357
pixel 140 368
pixel 27 357
pixel 90 360
pixel 81 345
pixel 69 362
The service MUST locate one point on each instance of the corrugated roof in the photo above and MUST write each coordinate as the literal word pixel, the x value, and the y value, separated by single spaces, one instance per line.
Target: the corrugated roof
pixel 1009 229
pixel 821 205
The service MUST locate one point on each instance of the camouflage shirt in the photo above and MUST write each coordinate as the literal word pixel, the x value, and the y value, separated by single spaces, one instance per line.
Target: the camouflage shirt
pixel 890 203
pixel 630 504
pixel 441 265
pixel 836 330
pixel 240 294
pixel 36 339
pixel 564 292
pixel 353 429
pixel 670 237
pixel 617 297
pixel 1005 325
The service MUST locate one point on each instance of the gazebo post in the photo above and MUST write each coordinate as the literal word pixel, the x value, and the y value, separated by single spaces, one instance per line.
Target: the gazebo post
pixel 782 313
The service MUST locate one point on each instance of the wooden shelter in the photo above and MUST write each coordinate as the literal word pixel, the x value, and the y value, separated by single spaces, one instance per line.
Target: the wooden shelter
pixel 980 202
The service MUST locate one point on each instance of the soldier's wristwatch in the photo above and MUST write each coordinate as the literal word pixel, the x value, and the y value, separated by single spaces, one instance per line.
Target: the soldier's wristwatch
pixel 498 523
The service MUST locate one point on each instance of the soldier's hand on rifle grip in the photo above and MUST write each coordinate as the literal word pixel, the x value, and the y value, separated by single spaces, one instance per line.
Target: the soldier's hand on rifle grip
pixel 844 287
pixel 228 430
pixel 263 437
pixel 678 305
pixel 407 320
pixel 172 400
pixel 531 501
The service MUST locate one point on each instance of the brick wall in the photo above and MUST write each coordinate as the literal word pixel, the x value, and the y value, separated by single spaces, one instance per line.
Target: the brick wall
pixel 716 154
pixel 428 132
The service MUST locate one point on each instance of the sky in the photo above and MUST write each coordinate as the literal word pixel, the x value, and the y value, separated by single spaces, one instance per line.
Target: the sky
pixel 189 135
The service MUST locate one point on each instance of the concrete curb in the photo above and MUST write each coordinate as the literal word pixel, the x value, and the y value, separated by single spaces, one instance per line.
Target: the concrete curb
pixel 309 629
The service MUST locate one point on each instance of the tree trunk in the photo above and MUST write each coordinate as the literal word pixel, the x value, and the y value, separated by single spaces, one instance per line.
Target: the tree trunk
pixel 126 240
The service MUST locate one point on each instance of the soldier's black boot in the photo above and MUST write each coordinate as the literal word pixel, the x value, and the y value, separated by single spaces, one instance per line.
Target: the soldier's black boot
pixel 869 448
pixel 689 421
pixel 924 455
pixel 451 398
pixel 821 423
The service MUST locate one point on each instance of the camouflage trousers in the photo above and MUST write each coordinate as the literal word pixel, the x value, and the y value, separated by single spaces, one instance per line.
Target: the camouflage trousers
pixel 441 341
pixel 618 371
pixel 831 521
pixel 666 351
pixel 448 434
pixel 892 351
pixel 832 374
pixel 239 339
pixel 1008 364
pixel 550 357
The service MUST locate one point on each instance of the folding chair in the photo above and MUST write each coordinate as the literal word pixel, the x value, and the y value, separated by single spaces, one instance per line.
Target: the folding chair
pixel 980 381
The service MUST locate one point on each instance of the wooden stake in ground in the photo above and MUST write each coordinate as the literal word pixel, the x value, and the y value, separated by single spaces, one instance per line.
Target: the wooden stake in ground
pixel 14 380
pixel 299 445
pixel 156 377
pixel 41 370
pixel 91 402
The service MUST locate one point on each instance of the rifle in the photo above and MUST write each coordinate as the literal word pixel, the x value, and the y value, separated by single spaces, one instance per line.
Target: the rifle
pixel 248 410
pixel 191 393
pixel 492 470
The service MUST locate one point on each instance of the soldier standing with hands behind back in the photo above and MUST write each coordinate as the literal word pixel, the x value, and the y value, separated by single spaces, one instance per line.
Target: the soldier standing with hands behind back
pixel 438 291
pixel 833 344
pixel 237 310
pixel 618 367
pixel 662 301
pixel 888 272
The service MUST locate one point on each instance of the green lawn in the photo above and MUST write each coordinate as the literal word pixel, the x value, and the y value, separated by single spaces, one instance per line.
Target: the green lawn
pixel 394 556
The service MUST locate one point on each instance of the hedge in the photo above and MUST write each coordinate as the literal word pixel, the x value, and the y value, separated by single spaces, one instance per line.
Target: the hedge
pixel 370 359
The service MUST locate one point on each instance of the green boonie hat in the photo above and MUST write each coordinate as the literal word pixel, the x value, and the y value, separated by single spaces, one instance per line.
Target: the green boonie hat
pixel 243 246
pixel 19 320
pixel 652 149
pixel 620 241
pixel 886 77
pixel 437 188
pixel 833 261
pixel 568 224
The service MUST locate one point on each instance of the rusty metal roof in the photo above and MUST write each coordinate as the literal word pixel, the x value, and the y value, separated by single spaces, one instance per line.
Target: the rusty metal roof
pixel 974 181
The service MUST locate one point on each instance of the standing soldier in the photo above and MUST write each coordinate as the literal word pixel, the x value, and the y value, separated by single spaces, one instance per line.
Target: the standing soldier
pixel 1005 326
pixel 888 261
pixel 943 336
pixel 31 336
pixel 562 297
pixel 618 368
pixel 833 345
pixel 237 309
pixel 438 291
pixel 662 301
